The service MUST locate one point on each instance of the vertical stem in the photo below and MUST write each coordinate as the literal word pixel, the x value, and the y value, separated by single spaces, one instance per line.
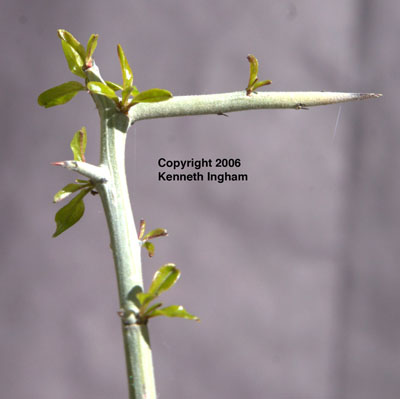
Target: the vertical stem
pixel 124 244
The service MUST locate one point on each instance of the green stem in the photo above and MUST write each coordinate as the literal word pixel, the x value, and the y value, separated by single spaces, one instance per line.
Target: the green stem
pixel 124 244
pixel 238 101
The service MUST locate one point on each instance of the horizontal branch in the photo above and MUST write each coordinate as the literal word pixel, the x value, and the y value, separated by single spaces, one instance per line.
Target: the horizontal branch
pixel 95 173
pixel 239 101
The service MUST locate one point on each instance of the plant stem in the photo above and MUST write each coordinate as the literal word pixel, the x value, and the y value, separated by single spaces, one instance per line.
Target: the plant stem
pixel 238 101
pixel 124 244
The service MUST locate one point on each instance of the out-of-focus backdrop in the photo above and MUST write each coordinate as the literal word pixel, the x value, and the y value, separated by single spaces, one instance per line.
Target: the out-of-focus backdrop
pixel 294 274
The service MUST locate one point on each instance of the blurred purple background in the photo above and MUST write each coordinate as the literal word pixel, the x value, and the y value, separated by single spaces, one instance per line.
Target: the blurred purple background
pixel 294 274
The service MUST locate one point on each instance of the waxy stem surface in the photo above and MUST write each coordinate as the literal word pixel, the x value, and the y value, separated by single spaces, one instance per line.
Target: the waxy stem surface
pixel 124 243
pixel 238 101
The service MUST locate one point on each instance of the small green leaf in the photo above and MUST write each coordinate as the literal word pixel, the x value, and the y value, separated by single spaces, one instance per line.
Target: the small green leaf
pixel 74 43
pixel 152 96
pixel 68 215
pixel 253 70
pixel 113 86
pixel 142 228
pixel 90 47
pixel 74 60
pixel 78 144
pixel 68 190
pixel 126 93
pixel 60 94
pixel 145 298
pixel 150 247
pixel 261 83
pixel 164 279
pixel 173 311
pixel 155 233
pixel 104 90
pixel 254 83
pixel 127 75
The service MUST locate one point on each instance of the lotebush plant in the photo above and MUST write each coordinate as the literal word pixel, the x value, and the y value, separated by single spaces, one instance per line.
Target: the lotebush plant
pixel 119 107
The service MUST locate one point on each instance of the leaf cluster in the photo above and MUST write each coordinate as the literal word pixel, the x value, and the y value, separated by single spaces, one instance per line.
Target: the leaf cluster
pixel 145 238
pixel 163 280
pixel 130 95
pixel 79 59
pixel 254 83
pixel 71 213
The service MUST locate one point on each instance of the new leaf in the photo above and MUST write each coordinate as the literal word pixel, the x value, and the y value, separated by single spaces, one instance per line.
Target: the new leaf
pixel 253 70
pixel 159 232
pixel 90 47
pixel 74 60
pixel 164 279
pixel 68 190
pixel 150 247
pixel 173 311
pixel 78 144
pixel 103 89
pixel 142 228
pixel 127 75
pixel 254 83
pixel 152 96
pixel 74 43
pixel 68 215
pixel 113 86
pixel 60 94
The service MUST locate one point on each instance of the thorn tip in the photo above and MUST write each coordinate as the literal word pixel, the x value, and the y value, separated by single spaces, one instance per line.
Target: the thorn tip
pixel 364 96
